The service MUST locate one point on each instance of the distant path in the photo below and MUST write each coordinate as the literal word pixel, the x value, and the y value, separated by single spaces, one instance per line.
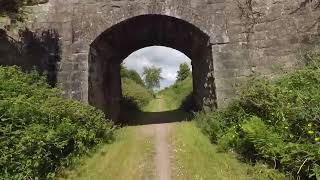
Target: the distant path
pixel 162 158
pixel 161 133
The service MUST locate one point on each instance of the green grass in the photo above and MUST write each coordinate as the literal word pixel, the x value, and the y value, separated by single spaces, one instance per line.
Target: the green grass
pixel 177 93
pixel 153 105
pixel 196 158
pixel 129 158
pixel 136 95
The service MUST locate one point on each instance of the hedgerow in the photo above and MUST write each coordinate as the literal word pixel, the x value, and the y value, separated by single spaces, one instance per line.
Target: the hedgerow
pixel 40 131
pixel 276 122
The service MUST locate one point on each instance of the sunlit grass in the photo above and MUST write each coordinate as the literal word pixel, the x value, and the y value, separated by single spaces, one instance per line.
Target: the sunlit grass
pixel 176 94
pixel 194 157
pixel 129 158
pixel 152 106
pixel 160 103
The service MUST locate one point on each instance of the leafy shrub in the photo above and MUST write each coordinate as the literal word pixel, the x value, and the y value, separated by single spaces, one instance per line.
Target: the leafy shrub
pixel 212 129
pixel 277 122
pixel 41 132
pixel 135 96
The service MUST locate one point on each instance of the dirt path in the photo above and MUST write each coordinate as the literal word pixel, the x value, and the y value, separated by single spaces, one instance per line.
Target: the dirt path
pixel 162 151
pixel 162 158
pixel 160 132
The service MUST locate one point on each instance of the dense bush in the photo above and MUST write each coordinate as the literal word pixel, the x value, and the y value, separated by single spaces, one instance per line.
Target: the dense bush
pixel 41 132
pixel 135 96
pixel 275 122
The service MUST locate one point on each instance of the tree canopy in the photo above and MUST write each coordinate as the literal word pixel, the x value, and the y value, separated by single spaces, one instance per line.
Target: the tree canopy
pixel 184 72
pixel 152 77
pixel 131 74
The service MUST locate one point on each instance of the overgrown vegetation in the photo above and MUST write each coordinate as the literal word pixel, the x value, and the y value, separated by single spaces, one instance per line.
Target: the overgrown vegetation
pixel 183 72
pixel 152 77
pixel 129 157
pixel 40 131
pixel 195 158
pixel 276 122
pixel 131 74
pixel 180 94
pixel 135 96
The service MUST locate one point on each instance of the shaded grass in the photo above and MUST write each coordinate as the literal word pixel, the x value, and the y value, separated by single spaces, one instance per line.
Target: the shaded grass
pixel 196 158
pixel 129 158
pixel 156 113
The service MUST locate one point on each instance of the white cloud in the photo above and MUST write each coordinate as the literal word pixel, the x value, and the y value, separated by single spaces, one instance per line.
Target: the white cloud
pixel 166 58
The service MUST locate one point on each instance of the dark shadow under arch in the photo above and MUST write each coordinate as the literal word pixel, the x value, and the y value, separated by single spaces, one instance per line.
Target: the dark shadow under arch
pixel 112 46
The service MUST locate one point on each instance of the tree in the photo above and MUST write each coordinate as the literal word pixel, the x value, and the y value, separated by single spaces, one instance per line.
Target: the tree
pixel 184 72
pixel 152 77
pixel 131 74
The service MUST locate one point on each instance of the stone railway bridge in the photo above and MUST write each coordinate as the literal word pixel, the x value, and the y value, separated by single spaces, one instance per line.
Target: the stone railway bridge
pixel 227 41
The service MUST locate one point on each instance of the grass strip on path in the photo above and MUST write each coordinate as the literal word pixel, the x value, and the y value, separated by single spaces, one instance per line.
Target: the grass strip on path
pixel 195 158
pixel 130 157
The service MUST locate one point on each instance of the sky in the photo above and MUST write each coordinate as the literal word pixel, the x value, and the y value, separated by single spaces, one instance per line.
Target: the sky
pixel 167 59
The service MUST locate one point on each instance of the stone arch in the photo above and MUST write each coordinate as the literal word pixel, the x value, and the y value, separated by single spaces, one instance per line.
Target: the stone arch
pixel 112 46
pixel 92 20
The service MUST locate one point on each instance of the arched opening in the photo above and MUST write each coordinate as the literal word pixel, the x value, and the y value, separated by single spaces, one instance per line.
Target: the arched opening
pixel 112 46
pixel 166 58
pixel 155 99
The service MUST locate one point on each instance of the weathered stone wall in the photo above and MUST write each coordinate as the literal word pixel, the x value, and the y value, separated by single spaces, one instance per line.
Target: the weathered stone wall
pixel 111 47
pixel 80 22
pixel 246 36
pixel 32 50
pixel 264 36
